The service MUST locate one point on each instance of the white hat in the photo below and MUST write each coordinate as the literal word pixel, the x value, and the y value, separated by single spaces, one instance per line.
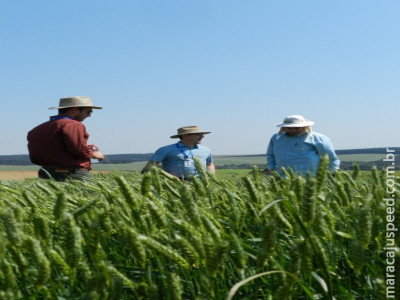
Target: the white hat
pixel 295 121
pixel 76 101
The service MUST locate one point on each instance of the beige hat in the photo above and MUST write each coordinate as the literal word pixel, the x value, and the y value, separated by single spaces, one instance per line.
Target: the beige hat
pixel 188 130
pixel 76 101
pixel 295 121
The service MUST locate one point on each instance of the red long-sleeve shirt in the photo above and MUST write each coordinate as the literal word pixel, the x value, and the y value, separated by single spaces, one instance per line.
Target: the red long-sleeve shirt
pixel 60 142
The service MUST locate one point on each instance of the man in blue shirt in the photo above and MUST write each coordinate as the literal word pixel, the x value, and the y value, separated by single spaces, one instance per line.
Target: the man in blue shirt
pixel 297 147
pixel 178 159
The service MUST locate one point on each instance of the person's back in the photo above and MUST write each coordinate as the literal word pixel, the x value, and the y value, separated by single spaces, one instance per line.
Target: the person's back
pixel 48 146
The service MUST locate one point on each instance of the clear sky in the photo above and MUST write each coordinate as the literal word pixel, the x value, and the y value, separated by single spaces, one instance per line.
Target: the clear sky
pixel 235 68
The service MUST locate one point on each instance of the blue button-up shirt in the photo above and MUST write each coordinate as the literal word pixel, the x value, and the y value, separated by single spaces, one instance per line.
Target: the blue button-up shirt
pixel 177 159
pixel 301 153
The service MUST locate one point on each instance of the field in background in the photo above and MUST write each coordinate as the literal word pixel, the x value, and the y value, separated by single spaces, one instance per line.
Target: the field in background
pixel 17 175
pixel 135 166
pixel 256 160
pixel 360 157
pixel 18 168
pixel 8 172
pixel 234 160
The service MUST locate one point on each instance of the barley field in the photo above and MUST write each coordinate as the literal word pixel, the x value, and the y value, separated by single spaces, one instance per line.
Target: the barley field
pixel 124 235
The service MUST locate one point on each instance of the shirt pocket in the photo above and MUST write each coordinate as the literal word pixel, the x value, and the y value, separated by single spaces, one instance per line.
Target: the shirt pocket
pixel 304 149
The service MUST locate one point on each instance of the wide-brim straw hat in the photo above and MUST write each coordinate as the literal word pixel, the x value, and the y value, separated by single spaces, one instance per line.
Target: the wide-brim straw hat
pixel 76 101
pixel 295 121
pixel 188 130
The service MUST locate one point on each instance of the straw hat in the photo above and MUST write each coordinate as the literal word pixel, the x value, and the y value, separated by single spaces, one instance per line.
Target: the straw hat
pixel 188 130
pixel 76 101
pixel 295 121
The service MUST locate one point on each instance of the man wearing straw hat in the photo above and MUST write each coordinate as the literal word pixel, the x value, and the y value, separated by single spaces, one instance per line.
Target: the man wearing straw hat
pixel 178 159
pixel 60 144
pixel 297 147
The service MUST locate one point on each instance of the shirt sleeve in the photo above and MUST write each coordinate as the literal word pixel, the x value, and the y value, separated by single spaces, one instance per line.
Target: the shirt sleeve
pixel 159 155
pixel 209 159
pixel 75 139
pixel 271 162
pixel 324 146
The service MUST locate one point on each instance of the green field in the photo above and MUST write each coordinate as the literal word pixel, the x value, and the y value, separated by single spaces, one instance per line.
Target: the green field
pixel 218 160
pixel 18 168
pixel 125 235
pixel 257 160
pixel 360 157
pixel 135 166
pixel 234 160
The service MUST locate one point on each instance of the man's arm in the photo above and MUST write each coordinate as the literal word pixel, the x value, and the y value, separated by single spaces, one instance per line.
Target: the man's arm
pixel 149 164
pixel 326 148
pixel 269 171
pixel 74 137
pixel 211 168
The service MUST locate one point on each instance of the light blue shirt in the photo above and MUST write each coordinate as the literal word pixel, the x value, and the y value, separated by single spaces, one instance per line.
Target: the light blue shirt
pixel 177 159
pixel 301 153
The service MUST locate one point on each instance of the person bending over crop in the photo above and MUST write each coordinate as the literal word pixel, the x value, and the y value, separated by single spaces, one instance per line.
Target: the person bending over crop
pixel 297 147
pixel 178 159
pixel 60 145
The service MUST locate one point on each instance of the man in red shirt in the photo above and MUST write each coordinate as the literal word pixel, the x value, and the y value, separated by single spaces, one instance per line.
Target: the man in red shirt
pixel 60 145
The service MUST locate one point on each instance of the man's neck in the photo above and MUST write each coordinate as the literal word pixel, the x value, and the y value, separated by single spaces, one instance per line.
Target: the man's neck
pixel 71 116
pixel 189 145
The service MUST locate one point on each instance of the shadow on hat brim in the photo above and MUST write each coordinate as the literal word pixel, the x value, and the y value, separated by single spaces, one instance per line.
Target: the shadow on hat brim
pixel 304 124
pixel 178 135
pixel 60 107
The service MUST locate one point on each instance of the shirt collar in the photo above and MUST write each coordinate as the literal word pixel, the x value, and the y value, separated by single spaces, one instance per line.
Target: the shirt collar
pixel 52 118
pixel 182 145
pixel 309 133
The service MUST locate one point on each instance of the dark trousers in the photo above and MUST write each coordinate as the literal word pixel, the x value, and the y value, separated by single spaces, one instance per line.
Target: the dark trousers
pixel 63 173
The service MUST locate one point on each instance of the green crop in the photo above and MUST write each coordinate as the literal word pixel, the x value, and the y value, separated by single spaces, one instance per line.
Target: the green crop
pixel 132 236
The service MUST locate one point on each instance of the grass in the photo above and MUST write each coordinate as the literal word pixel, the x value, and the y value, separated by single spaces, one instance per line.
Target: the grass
pixel 135 166
pixel 234 160
pixel 361 157
pixel 18 168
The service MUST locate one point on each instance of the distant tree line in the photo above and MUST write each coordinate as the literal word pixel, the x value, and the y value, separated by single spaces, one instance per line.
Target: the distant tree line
pixel 15 160
pixel 23 159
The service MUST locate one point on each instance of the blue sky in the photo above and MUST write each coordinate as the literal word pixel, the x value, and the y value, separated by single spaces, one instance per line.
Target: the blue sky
pixel 235 68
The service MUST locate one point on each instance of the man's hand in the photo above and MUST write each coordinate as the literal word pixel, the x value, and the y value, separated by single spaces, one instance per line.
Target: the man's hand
pixel 268 171
pixel 150 164
pixel 98 155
